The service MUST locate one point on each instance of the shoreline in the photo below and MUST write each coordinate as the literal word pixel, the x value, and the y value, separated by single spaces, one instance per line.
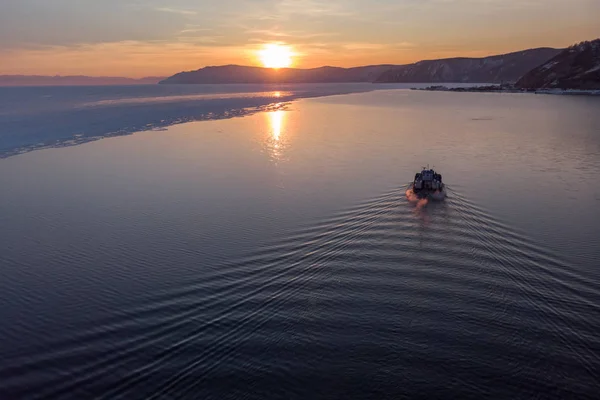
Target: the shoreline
pixel 166 113
pixel 508 89
pixel 80 139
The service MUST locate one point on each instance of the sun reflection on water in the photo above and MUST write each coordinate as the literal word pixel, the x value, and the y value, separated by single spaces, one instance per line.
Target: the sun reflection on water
pixel 276 139
pixel 276 121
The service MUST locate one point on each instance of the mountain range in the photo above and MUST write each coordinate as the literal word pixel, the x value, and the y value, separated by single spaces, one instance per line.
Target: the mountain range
pixel 244 74
pixel 495 69
pixel 577 67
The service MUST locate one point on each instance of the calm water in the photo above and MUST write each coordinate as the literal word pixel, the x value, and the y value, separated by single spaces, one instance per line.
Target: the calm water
pixel 276 256
pixel 51 116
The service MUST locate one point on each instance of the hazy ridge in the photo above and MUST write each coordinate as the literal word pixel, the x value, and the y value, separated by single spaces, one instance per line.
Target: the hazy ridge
pixel 247 74
pixel 42 80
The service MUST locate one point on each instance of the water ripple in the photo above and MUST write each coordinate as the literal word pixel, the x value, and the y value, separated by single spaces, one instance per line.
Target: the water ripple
pixel 455 295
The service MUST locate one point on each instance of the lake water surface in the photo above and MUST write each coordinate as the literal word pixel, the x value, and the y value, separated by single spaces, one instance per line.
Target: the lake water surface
pixel 276 255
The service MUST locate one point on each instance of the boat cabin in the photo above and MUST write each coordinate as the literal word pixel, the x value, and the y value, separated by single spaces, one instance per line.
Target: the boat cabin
pixel 428 179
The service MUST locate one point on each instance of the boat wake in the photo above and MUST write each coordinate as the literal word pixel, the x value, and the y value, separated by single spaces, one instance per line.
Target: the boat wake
pixel 343 307
pixel 413 198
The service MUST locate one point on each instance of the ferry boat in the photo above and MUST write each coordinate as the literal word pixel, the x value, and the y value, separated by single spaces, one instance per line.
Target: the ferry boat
pixel 428 185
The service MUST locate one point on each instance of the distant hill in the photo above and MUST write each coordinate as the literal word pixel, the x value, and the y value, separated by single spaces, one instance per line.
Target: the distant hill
pixel 244 74
pixel 577 67
pixel 494 69
pixel 501 68
pixel 39 80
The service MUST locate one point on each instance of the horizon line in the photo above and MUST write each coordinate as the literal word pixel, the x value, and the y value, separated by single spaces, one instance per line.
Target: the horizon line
pixel 266 68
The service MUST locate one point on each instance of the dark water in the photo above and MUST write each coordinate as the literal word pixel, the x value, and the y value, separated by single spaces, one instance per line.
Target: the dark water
pixel 276 256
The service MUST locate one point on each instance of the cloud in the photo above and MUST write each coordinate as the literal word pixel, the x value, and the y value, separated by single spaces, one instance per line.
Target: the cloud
pixel 31 23
pixel 126 58
pixel 192 33
pixel 364 46
pixel 176 11
pixel 314 8
pixel 291 35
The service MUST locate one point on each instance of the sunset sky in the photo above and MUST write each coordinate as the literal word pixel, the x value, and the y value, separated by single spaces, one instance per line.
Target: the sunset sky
pixel 160 37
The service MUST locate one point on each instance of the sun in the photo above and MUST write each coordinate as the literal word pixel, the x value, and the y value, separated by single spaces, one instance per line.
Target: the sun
pixel 276 56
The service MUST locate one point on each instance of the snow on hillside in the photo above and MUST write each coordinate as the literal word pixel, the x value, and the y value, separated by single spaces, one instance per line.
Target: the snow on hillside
pixel 577 67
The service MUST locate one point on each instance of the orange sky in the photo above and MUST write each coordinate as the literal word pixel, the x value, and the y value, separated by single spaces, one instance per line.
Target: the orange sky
pixel 156 38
